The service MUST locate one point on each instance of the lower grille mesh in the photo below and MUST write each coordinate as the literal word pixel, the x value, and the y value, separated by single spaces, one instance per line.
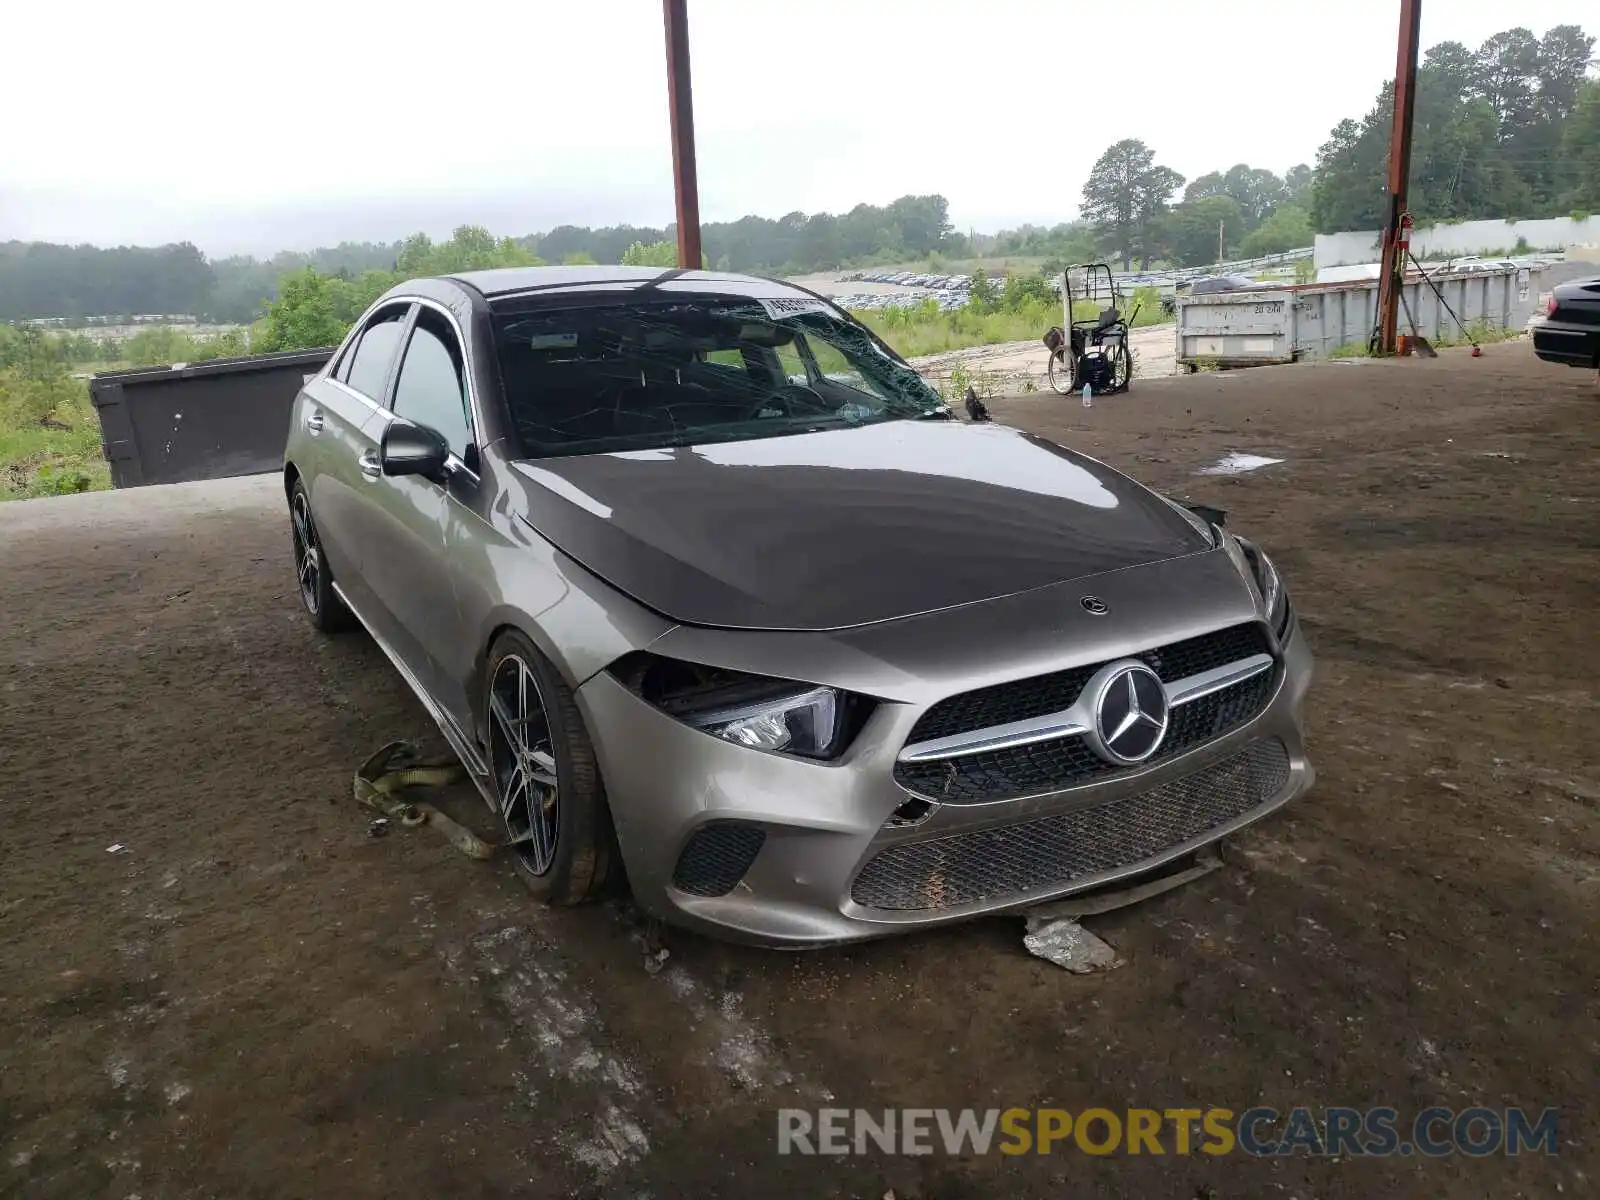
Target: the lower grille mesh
pixel 1054 851
pixel 716 858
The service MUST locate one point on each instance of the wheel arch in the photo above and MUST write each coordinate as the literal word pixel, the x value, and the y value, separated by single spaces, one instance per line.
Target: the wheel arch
pixel 574 671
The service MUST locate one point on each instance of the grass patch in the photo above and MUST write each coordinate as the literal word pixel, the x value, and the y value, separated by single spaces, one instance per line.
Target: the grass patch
pixel 1350 350
pixel 49 434
pixel 1480 332
pixel 918 329
pixel 49 438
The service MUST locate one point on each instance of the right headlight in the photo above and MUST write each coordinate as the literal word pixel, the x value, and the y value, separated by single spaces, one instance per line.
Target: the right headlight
pixel 1274 600
pixel 780 716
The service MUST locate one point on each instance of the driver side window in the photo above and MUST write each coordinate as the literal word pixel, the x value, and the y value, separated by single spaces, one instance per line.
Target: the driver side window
pixel 431 389
pixel 366 364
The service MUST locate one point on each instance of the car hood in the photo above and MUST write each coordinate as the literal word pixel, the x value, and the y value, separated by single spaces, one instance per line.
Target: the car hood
pixel 846 527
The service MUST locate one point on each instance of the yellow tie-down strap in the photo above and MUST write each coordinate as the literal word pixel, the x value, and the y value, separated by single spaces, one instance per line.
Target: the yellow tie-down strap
pixel 382 778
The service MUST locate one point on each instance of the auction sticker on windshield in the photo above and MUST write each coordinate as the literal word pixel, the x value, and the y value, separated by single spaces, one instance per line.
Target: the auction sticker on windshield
pixel 796 306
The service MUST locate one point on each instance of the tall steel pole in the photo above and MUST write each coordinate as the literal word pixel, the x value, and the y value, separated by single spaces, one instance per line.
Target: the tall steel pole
pixel 1392 273
pixel 680 100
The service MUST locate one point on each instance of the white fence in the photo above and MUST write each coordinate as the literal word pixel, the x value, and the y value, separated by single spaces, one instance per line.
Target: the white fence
pixel 1467 237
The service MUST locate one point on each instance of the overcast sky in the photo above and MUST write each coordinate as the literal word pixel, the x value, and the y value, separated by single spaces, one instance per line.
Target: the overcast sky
pixel 296 124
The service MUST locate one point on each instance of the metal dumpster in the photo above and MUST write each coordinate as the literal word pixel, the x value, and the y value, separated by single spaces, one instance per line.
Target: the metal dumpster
pixel 1309 321
pixel 201 421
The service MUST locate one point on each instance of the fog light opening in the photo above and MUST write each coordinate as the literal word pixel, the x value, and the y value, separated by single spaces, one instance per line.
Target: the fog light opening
pixel 913 812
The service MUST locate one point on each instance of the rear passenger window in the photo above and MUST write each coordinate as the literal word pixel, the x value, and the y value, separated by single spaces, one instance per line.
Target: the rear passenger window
pixel 368 365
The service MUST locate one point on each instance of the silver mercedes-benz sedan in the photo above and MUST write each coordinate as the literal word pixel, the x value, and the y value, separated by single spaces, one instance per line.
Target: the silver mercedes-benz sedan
pixel 709 589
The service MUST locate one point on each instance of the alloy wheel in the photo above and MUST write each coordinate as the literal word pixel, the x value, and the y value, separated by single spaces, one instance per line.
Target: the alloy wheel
pixel 524 764
pixel 307 554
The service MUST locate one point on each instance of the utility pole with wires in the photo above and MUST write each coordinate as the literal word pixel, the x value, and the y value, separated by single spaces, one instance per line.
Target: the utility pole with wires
pixel 1222 244
pixel 1391 278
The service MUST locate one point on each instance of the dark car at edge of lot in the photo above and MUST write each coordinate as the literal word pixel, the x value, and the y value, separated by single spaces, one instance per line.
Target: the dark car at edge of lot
pixel 1571 332
pixel 1225 283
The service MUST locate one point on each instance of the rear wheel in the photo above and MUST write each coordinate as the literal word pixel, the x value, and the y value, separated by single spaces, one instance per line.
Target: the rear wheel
pixel 545 776
pixel 322 604
pixel 1063 370
pixel 1121 366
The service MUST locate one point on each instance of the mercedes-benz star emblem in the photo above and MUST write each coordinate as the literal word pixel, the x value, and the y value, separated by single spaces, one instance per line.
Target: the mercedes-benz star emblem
pixel 1095 606
pixel 1130 713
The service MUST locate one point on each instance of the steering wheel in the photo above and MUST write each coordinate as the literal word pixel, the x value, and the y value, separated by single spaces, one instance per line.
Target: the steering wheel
pixel 786 396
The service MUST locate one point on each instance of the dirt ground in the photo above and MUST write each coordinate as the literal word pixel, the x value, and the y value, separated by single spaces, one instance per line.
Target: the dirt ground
pixel 214 982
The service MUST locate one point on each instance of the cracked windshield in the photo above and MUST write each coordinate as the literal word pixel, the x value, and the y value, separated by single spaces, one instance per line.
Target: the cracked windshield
pixel 634 376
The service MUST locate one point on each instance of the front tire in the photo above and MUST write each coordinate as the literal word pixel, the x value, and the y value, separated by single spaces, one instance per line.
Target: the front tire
pixel 1121 367
pixel 1063 370
pixel 322 604
pixel 545 776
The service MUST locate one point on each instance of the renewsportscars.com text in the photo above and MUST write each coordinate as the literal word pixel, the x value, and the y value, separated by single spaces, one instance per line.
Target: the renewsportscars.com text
pixel 1347 1132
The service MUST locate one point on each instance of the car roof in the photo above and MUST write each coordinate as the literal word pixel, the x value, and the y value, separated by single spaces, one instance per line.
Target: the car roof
pixel 512 281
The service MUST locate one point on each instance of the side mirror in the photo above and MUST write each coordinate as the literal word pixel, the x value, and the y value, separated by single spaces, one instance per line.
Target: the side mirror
pixel 1215 516
pixel 412 449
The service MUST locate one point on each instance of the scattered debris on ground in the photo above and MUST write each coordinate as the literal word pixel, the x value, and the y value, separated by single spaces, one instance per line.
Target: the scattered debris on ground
pixel 1238 464
pixel 1070 946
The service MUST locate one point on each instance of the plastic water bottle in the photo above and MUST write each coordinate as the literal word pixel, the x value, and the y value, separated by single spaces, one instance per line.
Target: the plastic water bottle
pixel 1088 393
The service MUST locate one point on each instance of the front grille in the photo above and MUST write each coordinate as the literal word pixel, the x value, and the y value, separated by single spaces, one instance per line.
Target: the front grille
pixel 1067 762
pixel 1054 851
pixel 716 858
pixel 1019 699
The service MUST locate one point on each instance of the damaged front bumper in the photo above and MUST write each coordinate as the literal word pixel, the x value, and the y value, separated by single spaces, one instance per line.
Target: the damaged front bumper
pixel 787 852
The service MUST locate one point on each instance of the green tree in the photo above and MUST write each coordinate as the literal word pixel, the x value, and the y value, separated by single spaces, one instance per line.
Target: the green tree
pixel 1491 137
pixel 1255 190
pixel 1454 65
pixel 230 343
pixel 159 345
pixel 1348 188
pixel 578 258
pixel 1581 151
pixel 470 248
pixel 1297 182
pixel 352 297
pixel 43 280
pixel 1192 229
pixel 1288 228
pixel 656 254
pixel 981 297
pixel 1020 291
pixel 1124 198
pixel 1068 242
pixel 1534 146
pixel 1507 69
pixel 303 317
pixel 923 223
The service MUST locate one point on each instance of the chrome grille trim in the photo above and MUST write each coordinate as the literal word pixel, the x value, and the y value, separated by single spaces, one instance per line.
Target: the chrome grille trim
pixel 1076 720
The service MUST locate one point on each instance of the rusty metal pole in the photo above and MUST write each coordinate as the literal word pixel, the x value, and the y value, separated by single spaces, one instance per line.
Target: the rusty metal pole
pixel 680 100
pixel 1391 275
